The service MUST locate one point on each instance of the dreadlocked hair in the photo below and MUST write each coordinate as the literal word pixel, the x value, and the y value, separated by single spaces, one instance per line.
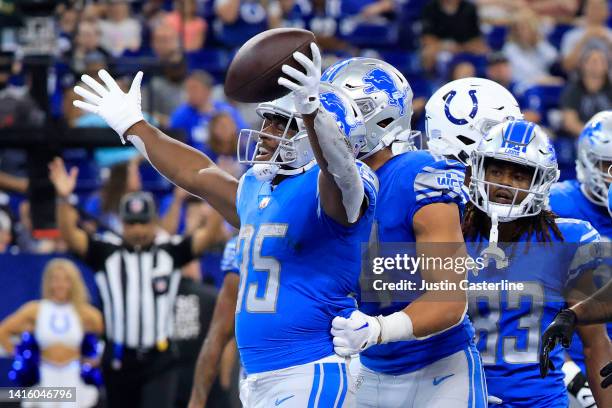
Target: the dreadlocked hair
pixel 477 223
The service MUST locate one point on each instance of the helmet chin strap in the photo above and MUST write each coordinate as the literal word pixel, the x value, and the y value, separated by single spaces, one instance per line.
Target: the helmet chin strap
pixel 267 171
pixel 493 252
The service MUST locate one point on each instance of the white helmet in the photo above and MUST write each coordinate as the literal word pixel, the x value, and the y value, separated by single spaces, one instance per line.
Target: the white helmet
pixel 294 153
pixel 383 96
pixel 519 142
pixel 461 112
pixel 594 149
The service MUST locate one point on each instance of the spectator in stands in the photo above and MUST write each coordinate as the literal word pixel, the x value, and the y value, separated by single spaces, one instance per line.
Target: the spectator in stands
pixel 165 92
pixel 449 27
pixel 165 43
pixel 6 235
pixel 529 54
pixel 59 322
pixel 69 18
pixel 592 30
pixel 461 68
pixel 17 108
pixel 87 41
pixel 239 20
pixel 288 13
pixel 559 11
pixel 119 31
pixel 194 115
pixel 123 178
pixel 590 92
pixel 185 20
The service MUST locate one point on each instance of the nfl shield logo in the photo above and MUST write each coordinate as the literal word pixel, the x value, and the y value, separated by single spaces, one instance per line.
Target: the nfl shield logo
pixel 136 206
pixel 264 203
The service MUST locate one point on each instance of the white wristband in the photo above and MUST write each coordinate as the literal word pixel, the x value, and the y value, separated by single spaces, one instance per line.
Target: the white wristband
pixel 395 327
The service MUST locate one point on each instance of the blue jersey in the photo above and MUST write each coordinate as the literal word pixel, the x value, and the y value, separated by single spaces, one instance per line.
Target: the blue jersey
pixel 228 260
pixel 408 182
pixel 568 200
pixel 298 269
pixel 509 323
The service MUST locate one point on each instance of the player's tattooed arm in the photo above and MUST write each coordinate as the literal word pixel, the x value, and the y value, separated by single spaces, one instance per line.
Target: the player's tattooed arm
pixel 181 164
pixel 438 235
pixel 219 335
pixel 340 185
pixel 596 344
pixel 597 308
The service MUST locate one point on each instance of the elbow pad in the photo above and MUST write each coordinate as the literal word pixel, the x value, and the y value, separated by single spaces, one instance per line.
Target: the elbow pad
pixel 340 163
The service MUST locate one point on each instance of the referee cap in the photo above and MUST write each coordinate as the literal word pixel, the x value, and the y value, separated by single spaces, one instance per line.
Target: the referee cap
pixel 137 207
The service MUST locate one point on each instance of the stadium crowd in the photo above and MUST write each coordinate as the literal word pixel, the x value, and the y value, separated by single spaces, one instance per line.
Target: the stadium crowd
pixel 555 56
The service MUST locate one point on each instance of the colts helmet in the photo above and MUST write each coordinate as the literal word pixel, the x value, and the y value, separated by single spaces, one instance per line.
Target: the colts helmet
pixel 519 142
pixel 595 157
pixel 383 96
pixel 294 152
pixel 461 112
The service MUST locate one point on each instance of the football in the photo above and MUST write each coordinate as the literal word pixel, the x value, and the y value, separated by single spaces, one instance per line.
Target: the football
pixel 253 73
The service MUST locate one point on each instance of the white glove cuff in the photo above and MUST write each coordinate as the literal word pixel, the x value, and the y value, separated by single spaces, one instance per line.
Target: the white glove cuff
pixel 123 124
pixel 395 327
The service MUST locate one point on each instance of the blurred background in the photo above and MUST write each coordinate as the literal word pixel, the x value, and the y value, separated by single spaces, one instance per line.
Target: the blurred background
pixel 553 55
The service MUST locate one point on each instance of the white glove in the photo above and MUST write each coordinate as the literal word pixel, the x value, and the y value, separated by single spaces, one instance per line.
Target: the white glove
pixel 306 90
pixel 120 110
pixel 354 334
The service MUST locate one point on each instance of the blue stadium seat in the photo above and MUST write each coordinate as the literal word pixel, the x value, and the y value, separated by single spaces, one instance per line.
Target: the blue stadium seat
pixel 542 99
pixel 89 173
pixel 370 35
pixel 214 61
pixel 153 181
pixel 557 34
pixel 496 37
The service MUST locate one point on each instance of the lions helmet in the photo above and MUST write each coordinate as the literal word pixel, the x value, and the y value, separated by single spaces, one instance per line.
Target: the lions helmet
pixel 294 152
pixel 383 96
pixel 519 142
pixel 595 157
pixel 461 112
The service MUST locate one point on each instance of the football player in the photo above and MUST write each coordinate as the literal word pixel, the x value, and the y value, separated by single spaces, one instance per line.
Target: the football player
pixel 291 211
pixel 586 198
pixel 417 354
pixel 513 169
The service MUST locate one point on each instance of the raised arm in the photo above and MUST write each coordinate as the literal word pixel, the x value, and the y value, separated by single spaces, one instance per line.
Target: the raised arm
pixel 181 164
pixel 340 185
pixel 66 215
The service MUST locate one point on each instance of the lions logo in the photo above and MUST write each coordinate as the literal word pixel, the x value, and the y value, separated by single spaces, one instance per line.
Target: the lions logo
pixel 379 80
pixel 334 105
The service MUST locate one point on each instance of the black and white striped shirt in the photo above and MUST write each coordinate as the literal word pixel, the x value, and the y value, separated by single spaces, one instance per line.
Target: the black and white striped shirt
pixel 138 289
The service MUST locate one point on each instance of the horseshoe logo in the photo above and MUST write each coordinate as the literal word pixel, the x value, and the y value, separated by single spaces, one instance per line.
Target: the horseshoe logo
pixel 449 97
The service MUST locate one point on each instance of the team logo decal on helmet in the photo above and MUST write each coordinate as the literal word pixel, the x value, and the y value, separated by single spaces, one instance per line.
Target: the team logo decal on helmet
pixel 449 115
pixel 379 80
pixel 333 104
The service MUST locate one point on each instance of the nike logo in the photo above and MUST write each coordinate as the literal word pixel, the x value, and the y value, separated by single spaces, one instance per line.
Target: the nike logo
pixel 438 380
pixel 362 327
pixel 278 402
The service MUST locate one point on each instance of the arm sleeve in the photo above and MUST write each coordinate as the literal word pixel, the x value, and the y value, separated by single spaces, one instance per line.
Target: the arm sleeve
pixel 98 251
pixel 180 251
pixel 440 181
pixel 587 256
pixel 370 189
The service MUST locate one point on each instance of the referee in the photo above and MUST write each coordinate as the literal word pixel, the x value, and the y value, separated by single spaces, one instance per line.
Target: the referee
pixel 138 279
